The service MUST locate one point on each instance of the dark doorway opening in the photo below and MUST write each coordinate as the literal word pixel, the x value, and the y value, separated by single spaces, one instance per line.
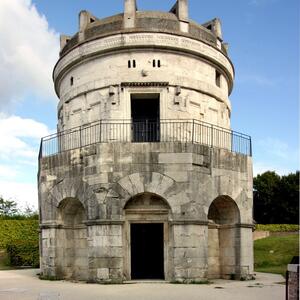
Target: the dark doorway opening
pixel 147 251
pixel 145 117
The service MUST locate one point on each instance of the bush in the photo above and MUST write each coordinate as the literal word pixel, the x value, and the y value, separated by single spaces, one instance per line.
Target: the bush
pixel 23 253
pixel 11 230
pixel 277 227
pixel 20 238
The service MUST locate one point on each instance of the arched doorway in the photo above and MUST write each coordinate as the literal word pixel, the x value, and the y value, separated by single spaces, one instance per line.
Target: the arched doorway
pixel 146 237
pixel 223 238
pixel 73 253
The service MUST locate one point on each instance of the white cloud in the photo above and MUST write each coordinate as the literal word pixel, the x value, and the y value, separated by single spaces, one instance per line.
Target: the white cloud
pixel 28 52
pixel 22 193
pixel 257 79
pixel 20 138
pixel 8 171
pixel 262 2
pixel 276 148
pixel 19 145
pixel 261 167
pixel 275 155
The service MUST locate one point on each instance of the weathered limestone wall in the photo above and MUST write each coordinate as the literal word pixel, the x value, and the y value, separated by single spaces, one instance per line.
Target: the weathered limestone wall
pixel 105 252
pixel 91 89
pixel 104 177
pixel 198 189
pixel 213 255
pixel 190 252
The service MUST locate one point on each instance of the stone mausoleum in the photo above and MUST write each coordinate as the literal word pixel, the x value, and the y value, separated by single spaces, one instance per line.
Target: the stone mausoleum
pixel 144 178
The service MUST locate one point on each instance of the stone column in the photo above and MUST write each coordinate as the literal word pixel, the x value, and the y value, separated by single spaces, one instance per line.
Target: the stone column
pixel 105 253
pixel 190 252
pixel 246 252
pixel 49 253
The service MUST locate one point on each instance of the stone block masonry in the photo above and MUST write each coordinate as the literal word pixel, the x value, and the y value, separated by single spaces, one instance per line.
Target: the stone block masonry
pixel 145 178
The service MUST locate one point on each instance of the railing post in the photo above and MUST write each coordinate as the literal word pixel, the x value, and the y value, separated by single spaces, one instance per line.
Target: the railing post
pixel 100 130
pixel 80 136
pixel 193 128
pixel 41 149
pixel 212 136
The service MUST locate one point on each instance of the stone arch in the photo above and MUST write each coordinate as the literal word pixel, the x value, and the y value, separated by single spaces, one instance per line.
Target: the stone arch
pixel 149 182
pixel 71 237
pixel 223 238
pixel 73 188
pixel 148 201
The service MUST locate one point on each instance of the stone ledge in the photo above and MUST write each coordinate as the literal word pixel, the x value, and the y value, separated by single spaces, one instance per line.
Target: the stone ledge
pixel 188 222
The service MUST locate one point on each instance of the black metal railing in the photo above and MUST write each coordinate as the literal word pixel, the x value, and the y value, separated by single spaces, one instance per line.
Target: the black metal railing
pixel 107 131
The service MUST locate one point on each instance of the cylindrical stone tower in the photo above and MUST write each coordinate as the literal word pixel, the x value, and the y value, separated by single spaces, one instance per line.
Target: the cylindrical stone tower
pixel 144 178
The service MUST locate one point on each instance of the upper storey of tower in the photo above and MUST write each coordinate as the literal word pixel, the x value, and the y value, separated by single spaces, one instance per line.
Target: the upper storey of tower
pixel 175 22
pixel 111 64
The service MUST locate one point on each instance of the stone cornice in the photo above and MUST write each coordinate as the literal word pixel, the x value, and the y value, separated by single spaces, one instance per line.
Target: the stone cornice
pixel 143 40
pixel 188 222
pixel 121 222
pixel 142 84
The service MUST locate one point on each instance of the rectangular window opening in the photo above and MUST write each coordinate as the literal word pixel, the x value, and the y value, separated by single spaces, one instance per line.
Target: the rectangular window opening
pixel 134 64
pixel 218 78
pixel 158 63
pixel 145 117
pixel 129 64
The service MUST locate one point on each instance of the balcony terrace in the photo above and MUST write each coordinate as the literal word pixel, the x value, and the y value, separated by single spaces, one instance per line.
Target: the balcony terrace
pixel 146 131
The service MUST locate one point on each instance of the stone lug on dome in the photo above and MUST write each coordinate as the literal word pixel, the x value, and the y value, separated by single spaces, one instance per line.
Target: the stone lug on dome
pixel 181 10
pixel 64 40
pixel 85 18
pixel 130 9
pixel 215 26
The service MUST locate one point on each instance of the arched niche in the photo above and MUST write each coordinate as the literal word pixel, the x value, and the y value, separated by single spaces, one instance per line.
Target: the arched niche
pixel 223 238
pixel 72 252
pixel 71 212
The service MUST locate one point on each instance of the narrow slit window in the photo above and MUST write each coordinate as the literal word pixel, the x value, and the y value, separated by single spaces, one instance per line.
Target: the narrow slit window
pixel 153 63
pixel 134 64
pixel 158 63
pixel 218 78
pixel 129 64
pixel 71 80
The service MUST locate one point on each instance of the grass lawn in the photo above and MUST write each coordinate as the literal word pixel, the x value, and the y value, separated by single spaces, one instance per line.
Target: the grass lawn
pixel 272 254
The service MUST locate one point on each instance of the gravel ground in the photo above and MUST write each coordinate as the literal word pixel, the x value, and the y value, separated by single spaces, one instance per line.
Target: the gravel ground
pixel 24 285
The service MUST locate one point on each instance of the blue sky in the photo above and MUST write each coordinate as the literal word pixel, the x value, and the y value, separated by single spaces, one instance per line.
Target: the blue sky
pixel 263 37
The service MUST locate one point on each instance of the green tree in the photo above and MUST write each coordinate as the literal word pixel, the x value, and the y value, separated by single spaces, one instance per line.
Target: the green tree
pixel 288 194
pixel 276 198
pixel 30 212
pixel 8 208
